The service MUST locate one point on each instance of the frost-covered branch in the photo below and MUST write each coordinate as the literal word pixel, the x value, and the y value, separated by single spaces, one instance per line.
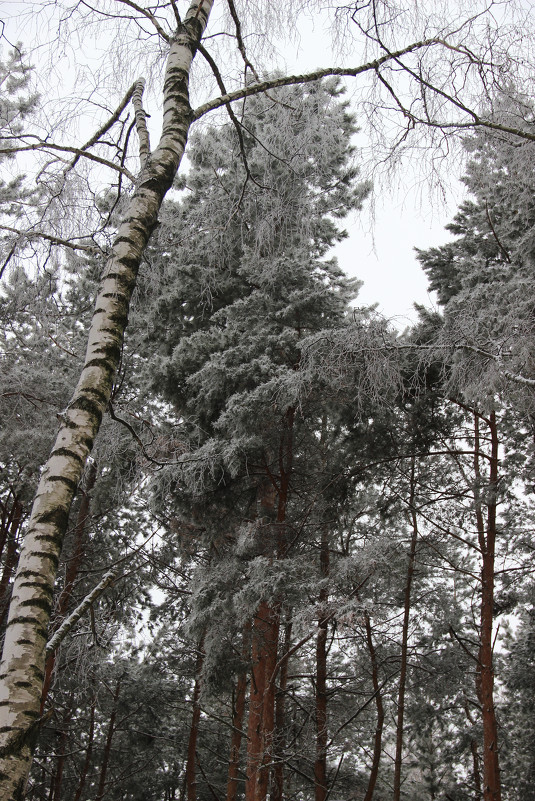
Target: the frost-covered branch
pixel 70 622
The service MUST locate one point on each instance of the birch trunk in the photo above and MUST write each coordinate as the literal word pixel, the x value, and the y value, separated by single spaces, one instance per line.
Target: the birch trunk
pixel 22 667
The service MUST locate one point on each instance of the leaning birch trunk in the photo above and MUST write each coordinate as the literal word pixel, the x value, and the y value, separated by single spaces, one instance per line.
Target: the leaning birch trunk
pixel 22 667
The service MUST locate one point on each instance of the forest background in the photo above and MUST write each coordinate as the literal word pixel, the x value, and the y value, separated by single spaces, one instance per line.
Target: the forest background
pixel 278 548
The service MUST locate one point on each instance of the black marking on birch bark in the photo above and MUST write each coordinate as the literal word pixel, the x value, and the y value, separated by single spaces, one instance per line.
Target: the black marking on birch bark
pixel 39 603
pixel 23 683
pixel 28 621
pixel 98 394
pixel 56 539
pixel 57 517
pixel 52 557
pixel 44 588
pixel 24 641
pixel 26 573
pixel 67 452
pixel 103 363
pixel 124 280
pixel 69 482
pixel 117 317
pixel 86 404
pixel 110 351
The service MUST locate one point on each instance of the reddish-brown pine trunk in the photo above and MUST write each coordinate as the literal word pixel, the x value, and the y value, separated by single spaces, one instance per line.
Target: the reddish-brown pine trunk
pixel 485 677
pixel 320 764
pixel 88 753
pixel 256 699
pixel 191 779
pixel 71 573
pixel 237 720
pixel 11 536
pixel 405 641
pixel 374 773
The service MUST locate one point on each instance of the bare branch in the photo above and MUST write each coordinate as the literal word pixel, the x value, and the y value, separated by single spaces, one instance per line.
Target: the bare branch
pixel 290 80
pixel 45 146
pixel 146 13
pixel 55 240
pixel 107 125
pixel 239 39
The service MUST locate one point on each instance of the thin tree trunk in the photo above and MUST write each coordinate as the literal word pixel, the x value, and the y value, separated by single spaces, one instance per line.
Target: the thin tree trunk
pixel 265 634
pixel 476 768
pixel 88 753
pixel 320 765
pixel 374 773
pixel 237 720
pixel 485 674
pixel 61 752
pixel 405 641
pixel 10 536
pixel 191 781
pixel 22 668
pixel 107 748
pixel 71 573
pixel 280 716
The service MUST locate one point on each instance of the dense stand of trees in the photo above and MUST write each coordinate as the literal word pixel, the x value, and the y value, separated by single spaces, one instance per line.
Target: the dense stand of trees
pixel 320 531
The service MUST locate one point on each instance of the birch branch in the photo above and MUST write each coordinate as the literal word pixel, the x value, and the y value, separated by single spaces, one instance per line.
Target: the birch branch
pixel 55 240
pixel 104 128
pixel 141 121
pixel 290 80
pixel 70 622
pixel 40 145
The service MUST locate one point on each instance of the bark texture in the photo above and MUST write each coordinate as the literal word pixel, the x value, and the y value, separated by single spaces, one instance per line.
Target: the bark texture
pixel 485 672
pixel 22 667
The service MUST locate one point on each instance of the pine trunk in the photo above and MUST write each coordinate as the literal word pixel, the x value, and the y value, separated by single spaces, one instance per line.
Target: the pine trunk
pixel 23 658
pixel 320 765
pixel 405 642
pixel 485 677
pixel 10 538
pixel 191 774
pixel 280 716
pixel 107 747
pixel 71 574
pixel 377 745
pixel 237 722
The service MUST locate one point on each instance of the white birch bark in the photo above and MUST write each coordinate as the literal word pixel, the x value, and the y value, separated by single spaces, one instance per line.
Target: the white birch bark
pixel 23 658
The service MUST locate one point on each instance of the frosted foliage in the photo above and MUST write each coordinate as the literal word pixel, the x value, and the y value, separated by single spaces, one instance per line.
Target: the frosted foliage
pixel 293 163
pixel 484 277
pixel 243 262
